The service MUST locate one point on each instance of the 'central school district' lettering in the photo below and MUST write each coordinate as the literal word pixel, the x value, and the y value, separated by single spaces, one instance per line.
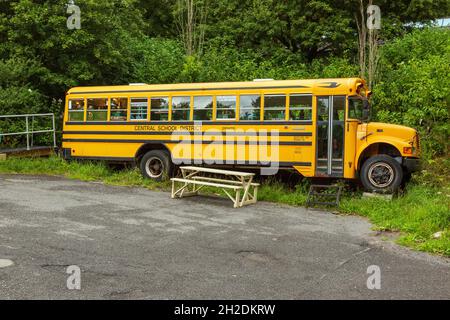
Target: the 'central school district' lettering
pixel 168 128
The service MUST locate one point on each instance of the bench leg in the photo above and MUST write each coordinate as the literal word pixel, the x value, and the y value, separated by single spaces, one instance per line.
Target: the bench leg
pixel 237 203
pixel 193 192
pixel 248 198
pixel 251 197
pixel 181 192
pixel 255 194
pixel 173 190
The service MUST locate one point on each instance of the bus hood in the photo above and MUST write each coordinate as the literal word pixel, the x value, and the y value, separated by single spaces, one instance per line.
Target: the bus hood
pixel 394 130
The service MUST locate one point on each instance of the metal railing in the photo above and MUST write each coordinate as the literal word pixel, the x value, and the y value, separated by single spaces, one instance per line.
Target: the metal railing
pixel 29 132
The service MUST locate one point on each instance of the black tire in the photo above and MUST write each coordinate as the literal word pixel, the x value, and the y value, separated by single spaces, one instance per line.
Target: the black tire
pixel 407 176
pixel 382 174
pixel 156 165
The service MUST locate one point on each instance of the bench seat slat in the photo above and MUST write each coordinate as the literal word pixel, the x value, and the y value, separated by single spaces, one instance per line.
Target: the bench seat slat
pixel 218 171
pixel 211 184
pixel 222 180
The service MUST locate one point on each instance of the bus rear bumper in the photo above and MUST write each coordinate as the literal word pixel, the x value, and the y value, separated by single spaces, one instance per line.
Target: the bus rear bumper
pixel 66 153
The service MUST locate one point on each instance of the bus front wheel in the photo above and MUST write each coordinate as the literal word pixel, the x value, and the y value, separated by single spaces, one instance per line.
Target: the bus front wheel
pixel 156 165
pixel 381 174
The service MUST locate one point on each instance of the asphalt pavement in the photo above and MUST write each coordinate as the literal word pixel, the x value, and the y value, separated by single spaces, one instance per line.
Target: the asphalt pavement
pixel 133 243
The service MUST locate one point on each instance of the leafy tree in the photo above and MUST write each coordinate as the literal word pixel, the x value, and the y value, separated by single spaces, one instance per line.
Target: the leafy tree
pixel 310 29
pixel 98 53
pixel 158 18
pixel 156 60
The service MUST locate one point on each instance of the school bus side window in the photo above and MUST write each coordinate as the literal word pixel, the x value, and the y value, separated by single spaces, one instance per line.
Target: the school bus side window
pixel 226 108
pixel 300 107
pixel 181 107
pixel 159 109
pixel 138 108
pixel 203 107
pixel 97 109
pixel 250 107
pixel 274 107
pixel 76 110
pixel 119 109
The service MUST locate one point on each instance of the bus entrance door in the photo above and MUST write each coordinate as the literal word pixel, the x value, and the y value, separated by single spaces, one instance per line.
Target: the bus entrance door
pixel 330 136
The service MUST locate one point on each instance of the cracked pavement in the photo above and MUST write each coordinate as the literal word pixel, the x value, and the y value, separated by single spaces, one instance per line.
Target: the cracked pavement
pixel 133 243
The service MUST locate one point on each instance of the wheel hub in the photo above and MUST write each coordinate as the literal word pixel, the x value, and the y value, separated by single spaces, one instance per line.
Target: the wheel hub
pixel 154 167
pixel 381 175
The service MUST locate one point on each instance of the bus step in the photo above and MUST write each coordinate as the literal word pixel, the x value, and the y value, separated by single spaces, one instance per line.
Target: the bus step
pixel 320 194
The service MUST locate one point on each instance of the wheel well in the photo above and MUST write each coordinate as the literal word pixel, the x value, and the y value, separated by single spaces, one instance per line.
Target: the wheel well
pixel 376 149
pixel 149 147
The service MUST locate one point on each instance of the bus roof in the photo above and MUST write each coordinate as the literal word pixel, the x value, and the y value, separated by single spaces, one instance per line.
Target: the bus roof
pixel 340 84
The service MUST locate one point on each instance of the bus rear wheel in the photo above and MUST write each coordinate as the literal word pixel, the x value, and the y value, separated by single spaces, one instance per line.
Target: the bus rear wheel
pixel 381 174
pixel 156 165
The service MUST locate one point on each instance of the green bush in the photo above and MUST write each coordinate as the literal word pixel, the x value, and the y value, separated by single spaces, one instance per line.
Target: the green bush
pixel 414 87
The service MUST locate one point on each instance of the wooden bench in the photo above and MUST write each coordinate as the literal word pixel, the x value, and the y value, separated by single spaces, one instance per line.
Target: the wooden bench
pixel 192 181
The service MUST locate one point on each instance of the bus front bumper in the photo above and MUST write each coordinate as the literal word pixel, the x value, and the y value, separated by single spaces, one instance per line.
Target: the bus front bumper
pixel 411 164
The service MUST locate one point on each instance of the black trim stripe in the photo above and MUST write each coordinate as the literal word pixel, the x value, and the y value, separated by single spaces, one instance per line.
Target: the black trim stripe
pixel 173 123
pixel 126 159
pixel 281 143
pixel 206 133
pixel 191 89
pixel 243 163
pixel 194 161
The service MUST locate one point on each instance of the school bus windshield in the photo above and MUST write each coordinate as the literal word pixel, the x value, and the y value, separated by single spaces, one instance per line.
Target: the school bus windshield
pixel 358 108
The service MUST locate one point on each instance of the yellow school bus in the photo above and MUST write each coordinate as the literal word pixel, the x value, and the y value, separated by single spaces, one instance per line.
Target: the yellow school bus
pixel 319 128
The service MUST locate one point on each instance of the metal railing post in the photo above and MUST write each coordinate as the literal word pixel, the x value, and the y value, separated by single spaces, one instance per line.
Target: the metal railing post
pixel 32 131
pixel 28 134
pixel 54 131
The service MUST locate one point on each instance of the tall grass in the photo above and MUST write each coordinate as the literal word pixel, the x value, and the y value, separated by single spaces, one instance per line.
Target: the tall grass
pixel 86 171
pixel 417 214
